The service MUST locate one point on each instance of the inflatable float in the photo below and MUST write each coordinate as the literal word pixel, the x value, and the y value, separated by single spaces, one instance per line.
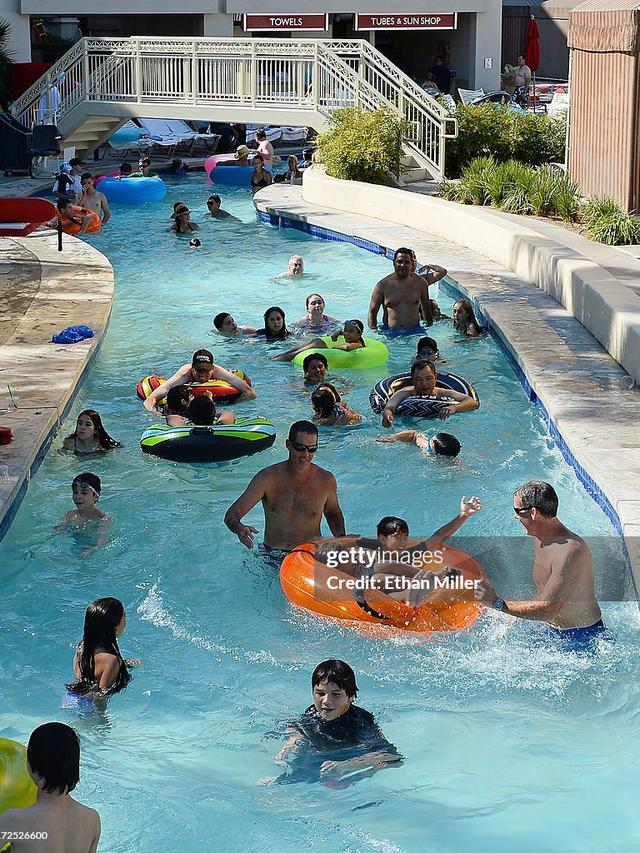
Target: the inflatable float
pixel 418 407
pixel 17 789
pixel 135 189
pixel 373 354
pixel 70 227
pixel 218 443
pixel 220 390
pixel 310 583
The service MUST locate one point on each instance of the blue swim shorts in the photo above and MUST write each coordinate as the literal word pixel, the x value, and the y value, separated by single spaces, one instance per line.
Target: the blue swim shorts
pixel 400 333
pixel 579 639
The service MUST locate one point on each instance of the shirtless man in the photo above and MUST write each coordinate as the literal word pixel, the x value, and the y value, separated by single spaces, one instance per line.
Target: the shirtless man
pixel 53 762
pixel 401 295
pixel 562 570
pixel 201 369
pixel 295 495
pixel 92 199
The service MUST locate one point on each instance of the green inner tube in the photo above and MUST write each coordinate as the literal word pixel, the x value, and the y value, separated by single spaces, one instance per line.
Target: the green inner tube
pixel 373 354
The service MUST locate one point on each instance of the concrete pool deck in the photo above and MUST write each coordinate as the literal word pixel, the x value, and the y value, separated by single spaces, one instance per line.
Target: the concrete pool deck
pixel 42 291
pixel 597 428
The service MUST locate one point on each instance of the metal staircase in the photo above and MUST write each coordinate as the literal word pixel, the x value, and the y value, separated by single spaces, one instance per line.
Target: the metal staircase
pixel 269 81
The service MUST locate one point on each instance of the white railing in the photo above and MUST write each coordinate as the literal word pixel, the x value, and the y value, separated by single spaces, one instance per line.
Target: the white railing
pixel 301 75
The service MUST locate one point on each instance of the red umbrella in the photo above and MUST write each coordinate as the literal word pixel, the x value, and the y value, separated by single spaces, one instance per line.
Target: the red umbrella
pixel 532 46
pixel 532 52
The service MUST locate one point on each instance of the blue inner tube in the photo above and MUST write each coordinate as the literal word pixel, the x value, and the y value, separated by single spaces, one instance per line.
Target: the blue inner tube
pixel 418 407
pixel 209 443
pixel 133 190
pixel 236 176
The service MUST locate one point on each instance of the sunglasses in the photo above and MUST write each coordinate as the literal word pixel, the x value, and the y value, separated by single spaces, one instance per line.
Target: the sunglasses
pixel 519 510
pixel 301 448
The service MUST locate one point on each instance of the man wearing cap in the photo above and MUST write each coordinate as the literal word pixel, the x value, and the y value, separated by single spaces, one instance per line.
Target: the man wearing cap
pixel 201 369
pixel 67 184
pixel 295 495
pixel 401 296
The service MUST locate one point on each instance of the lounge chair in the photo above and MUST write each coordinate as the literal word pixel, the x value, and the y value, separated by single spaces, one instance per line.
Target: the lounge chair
pixel 177 133
pixel 559 104
pixel 469 95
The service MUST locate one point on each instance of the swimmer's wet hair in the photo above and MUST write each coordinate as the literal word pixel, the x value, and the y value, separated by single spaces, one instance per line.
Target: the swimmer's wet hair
pixel 304 427
pixel 445 444
pixel 390 525
pixel 427 343
pixel 88 479
pixel 218 320
pixel 403 251
pixel 420 364
pixel 539 495
pixel 202 411
pixel 324 398
pixel 215 197
pixel 335 672
pixel 125 168
pixel 53 754
pixel 314 356
pixel 178 399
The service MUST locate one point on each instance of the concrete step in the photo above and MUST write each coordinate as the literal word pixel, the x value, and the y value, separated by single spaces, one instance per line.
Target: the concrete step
pixel 411 175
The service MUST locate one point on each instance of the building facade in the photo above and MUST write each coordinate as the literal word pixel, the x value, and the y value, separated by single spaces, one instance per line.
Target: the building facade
pixel 464 33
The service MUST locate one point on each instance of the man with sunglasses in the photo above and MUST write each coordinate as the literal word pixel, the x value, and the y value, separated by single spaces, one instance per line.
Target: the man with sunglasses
pixel 295 494
pixel 562 571
pixel 215 210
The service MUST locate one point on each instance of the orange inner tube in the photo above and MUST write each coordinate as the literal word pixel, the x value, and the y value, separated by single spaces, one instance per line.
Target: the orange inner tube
pixel 71 227
pixel 311 584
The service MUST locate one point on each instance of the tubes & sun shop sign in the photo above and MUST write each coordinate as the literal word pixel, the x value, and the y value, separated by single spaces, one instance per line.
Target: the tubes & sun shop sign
pixel 431 21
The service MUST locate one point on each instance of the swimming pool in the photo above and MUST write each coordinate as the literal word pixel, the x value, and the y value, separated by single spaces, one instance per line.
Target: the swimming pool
pixel 510 744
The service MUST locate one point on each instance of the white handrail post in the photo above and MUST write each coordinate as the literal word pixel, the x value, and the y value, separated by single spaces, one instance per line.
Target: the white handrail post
pixel 194 73
pixel 254 73
pixel 85 69
pixel 138 72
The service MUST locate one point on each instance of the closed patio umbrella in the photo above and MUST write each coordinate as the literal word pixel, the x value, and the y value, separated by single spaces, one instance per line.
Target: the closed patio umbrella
pixel 531 52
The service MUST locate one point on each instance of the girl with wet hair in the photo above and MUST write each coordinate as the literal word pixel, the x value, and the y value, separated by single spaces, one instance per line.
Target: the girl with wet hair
pixel 89 436
pixel 275 326
pixel 352 331
pixel 330 410
pixel 178 400
pixel 98 664
pixel 464 320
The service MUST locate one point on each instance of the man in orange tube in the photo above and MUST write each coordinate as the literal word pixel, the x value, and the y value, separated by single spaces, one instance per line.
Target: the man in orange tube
pixel 295 494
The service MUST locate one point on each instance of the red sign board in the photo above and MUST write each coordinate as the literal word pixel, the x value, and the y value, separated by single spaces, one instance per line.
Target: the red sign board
pixel 286 22
pixel 408 21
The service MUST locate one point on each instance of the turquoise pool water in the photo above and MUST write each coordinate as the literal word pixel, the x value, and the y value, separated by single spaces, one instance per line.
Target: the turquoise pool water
pixel 510 743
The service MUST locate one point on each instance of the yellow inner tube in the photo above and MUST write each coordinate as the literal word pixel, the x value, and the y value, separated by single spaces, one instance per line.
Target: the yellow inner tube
pixel 17 789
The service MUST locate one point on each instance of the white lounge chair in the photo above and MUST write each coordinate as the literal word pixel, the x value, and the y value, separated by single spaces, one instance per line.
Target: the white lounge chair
pixel 469 95
pixel 169 135
pixel 559 104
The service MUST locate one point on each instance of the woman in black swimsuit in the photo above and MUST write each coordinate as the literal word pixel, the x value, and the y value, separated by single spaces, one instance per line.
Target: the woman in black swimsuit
pixel 260 178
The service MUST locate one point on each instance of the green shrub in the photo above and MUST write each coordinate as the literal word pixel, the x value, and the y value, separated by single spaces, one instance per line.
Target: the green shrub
pixel 503 180
pixel 567 198
pixel 606 222
pixel 475 179
pixel 544 190
pixel 495 131
pixel 363 146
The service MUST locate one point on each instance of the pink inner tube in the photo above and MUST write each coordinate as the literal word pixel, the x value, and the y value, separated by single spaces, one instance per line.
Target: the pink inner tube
pixel 104 177
pixel 211 162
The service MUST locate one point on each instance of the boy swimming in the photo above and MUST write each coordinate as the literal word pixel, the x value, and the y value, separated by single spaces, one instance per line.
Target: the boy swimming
pixel 86 519
pixel 335 739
